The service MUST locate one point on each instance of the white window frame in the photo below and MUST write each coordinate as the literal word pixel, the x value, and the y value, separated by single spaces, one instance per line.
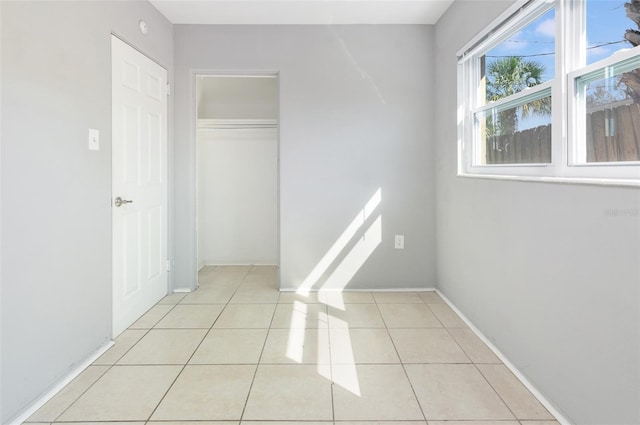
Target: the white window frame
pixel 567 115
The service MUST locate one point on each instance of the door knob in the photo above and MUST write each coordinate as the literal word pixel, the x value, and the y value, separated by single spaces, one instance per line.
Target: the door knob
pixel 118 202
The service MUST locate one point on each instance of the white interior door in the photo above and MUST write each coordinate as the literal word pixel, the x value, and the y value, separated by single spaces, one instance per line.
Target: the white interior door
pixel 139 170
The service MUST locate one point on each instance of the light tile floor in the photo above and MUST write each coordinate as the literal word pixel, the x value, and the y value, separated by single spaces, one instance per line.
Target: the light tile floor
pixel 237 351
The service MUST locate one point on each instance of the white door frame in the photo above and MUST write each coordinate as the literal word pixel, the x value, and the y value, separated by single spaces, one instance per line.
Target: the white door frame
pixel 195 73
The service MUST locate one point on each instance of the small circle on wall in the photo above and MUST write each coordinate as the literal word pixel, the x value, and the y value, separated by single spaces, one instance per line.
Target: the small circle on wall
pixel 143 27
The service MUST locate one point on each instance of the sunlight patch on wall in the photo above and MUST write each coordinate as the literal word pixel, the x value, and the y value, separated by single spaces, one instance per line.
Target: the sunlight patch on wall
pixel 338 247
pixel 347 255
pixel 353 261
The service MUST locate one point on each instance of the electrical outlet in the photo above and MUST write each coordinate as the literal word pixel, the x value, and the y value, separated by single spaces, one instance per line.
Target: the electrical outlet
pixel 399 243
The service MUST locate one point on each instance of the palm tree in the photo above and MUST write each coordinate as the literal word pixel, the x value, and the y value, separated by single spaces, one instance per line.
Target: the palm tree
pixel 510 75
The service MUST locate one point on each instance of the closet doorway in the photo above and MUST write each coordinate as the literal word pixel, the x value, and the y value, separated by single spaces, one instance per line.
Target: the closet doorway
pixel 237 170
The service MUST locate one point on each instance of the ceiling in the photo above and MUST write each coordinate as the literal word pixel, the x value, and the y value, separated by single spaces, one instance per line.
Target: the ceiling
pixel 302 12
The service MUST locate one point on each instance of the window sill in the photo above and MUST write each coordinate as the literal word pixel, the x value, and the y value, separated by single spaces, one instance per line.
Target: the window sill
pixel 633 183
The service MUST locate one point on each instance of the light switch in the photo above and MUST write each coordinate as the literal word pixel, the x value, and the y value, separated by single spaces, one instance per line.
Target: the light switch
pixel 94 139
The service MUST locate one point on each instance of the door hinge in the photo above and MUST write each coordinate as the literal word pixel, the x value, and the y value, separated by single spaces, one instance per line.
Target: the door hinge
pixel 168 89
pixel 168 265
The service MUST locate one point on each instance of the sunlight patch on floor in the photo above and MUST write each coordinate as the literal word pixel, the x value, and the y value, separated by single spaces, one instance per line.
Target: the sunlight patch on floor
pixel 346 376
pixel 295 344
pixel 330 295
pixel 324 355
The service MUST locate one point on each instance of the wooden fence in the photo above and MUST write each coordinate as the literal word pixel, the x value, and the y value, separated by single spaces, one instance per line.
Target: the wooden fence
pixel 522 147
pixel 612 135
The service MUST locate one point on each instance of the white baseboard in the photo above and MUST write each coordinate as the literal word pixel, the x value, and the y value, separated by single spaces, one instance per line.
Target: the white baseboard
pixel 536 393
pixel 33 407
pixel 426 289
pixel 182 290
pixel 236 263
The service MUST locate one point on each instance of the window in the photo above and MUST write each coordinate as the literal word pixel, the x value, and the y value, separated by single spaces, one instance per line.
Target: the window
pixel 552 91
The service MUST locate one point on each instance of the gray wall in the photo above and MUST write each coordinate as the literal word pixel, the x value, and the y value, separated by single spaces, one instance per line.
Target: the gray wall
pixel 355 117
pixel 56 215
pixel 541 269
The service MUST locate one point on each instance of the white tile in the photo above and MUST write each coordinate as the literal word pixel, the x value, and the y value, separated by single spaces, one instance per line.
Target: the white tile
pixel 408 316
pixel 521 402
pixel 431 297
pixel 255 293
pixel 447 316
pixel 174 298
pixel 455 392
pixel 207 392
pixel 262 275
pixel 289 393
pixel 230 346
pixel 207 269
pixel 209 295
pixel 298 315
pixel 231 270
pixel 224 274
pixel 350 346
pixel 291 297
pixel 287 423
pixel 248 316
pixel 123 393
pixel 65 397
pixel 164 346
pixel 341 299
pixel 297 346
pixel 151 317
pixel 191 316
pixel 373 392
pixel 477 350
pixel 355 316
pixel 474 423
pixel 102 423
pixel 189 423
pixel 382 423
pixel 122 344
pixel 397 298
pixel 427 346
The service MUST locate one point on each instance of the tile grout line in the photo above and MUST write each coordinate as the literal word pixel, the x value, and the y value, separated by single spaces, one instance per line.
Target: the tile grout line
pixel 480 372
pixel 401 362
pixel 331 372
pixel 498 394
pixel 255 372
pixel 452 337
pixel 471 362
pixel 506 363
pixel 191 356
pixel 268 333
pixel 111 366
